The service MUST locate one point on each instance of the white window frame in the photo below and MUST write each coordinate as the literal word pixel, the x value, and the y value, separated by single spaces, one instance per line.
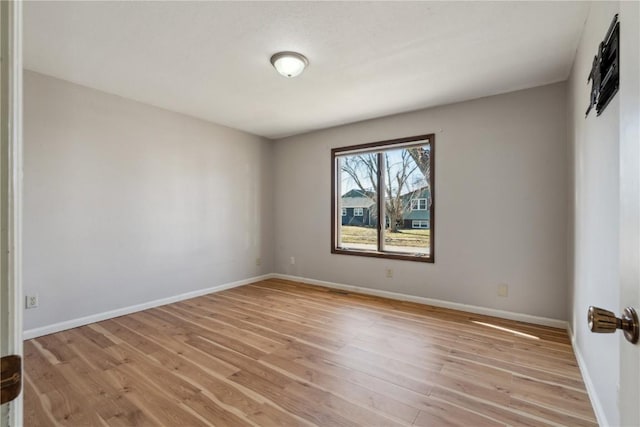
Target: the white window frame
pixel 344 211
pixel 416 204
pixel 420 223
pixel 358 211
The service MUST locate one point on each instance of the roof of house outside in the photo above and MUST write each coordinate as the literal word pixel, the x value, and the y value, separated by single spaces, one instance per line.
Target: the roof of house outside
pixel 355 192
pixel 416 214
pixel 356 202
pixel 420 193
pixel 356 198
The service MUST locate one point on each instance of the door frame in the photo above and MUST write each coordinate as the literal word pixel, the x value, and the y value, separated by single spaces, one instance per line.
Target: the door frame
pixel 629 205
pixel 11 189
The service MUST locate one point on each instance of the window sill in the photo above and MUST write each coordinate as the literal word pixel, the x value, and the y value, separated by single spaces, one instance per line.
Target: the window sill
pixel 387 255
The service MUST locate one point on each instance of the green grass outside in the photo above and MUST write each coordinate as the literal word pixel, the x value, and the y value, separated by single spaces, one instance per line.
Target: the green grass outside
pixel 415 238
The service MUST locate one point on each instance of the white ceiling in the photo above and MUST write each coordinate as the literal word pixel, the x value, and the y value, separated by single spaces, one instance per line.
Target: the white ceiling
pixel 211 59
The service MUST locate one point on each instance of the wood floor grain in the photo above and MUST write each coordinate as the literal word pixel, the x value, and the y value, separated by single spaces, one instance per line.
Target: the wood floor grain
pixel 280 353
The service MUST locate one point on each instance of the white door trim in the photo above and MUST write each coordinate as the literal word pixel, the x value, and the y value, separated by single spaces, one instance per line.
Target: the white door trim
pixel 629 386
pixel 12 36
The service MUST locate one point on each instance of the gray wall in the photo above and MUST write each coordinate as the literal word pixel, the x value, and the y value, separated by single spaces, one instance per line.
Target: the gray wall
pixel 501 204
pixel 125 203
pixel 594 274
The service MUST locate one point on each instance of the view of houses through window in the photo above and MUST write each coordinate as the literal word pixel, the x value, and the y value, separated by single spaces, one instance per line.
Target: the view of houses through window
pixel 392 178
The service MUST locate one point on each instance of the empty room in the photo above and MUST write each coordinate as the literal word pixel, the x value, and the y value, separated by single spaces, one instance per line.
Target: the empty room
pixel 320 213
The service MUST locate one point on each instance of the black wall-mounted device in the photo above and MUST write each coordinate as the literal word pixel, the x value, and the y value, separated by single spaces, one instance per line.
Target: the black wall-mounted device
pixel 604 76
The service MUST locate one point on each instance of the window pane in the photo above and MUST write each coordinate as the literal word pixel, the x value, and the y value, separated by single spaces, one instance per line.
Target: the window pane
pixel 407 200
pixel 383 199
pixel 358 187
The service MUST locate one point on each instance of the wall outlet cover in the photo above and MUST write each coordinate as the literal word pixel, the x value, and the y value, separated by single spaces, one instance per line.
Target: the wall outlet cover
pixel 31 301
pixel 503 290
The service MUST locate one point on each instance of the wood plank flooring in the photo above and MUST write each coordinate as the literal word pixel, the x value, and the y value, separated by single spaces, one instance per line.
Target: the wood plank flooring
pixel 280 353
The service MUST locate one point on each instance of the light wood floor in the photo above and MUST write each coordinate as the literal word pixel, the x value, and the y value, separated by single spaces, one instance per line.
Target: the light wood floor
pixel 278 353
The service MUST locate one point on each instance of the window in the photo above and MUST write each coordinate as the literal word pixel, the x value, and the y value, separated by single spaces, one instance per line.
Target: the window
pixel 394 180
pixel 418 204
pixel 344 211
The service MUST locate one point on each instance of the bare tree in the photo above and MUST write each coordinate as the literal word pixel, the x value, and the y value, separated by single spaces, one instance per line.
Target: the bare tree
pixel 363 170
pixel 422 157
pixel 397 180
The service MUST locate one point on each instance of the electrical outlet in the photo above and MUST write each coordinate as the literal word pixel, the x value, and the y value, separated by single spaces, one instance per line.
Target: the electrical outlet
pixel 31 301
pixel 258 261
pixel 389 272
pixel 292 260
pixel 503 290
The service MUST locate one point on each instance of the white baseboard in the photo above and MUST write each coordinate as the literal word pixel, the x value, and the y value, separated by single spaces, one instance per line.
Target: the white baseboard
pixel 81 321
pixel 556 323
pixel 74 323
pixel 591 389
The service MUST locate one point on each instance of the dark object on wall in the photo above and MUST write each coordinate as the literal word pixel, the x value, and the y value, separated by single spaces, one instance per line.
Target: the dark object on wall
pixel 604 76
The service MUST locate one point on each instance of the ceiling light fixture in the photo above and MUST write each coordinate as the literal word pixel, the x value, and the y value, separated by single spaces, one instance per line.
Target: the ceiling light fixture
pixel 289 64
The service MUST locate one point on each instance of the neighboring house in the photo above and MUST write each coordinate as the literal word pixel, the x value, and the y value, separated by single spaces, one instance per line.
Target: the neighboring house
pixel 416 209
pixel 358 208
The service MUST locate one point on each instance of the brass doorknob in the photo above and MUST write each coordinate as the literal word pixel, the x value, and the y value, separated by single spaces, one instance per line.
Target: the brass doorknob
pixel 605 322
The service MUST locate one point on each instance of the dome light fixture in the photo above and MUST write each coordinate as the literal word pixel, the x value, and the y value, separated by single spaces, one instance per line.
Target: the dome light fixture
pixel 289 64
